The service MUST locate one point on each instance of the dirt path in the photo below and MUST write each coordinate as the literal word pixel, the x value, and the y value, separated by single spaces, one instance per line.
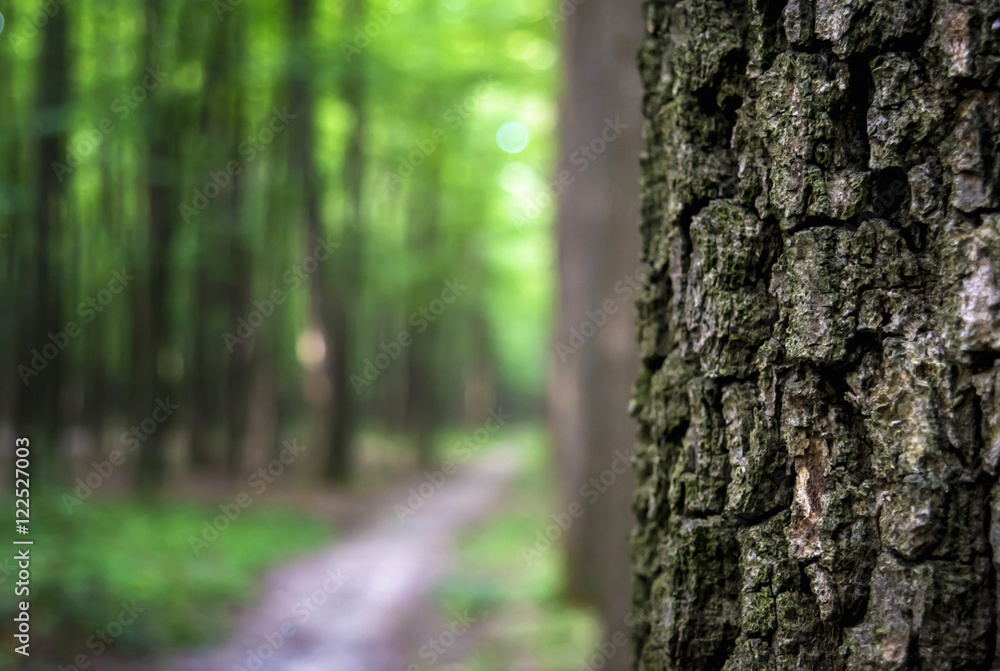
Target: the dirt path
pixel 359 605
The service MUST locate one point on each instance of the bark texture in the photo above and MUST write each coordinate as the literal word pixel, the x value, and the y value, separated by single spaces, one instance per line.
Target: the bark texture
pixel 819 402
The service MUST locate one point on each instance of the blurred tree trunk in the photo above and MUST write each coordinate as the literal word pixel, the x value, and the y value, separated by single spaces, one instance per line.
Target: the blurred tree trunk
pixel 423 370
pixel 163 143
pixel 98 380
pixel 820 394
pixel 198 378
pixel 331 303
pixel 598 247
pixel 343 306
pixel 13 220
pixel 227 120
pixel 38 403
pixel 303 173
pixel 478 383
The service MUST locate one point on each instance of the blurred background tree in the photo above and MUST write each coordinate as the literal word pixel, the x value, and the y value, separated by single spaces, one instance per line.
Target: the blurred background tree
pixel 595 354
pixel 228 225
pixel 207 149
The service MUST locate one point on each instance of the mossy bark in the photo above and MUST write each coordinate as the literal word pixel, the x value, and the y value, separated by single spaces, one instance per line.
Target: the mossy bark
pixel 819 400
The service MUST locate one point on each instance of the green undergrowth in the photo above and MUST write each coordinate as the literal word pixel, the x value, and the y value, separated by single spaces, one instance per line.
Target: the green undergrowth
pixel 134 562
pixel 521 620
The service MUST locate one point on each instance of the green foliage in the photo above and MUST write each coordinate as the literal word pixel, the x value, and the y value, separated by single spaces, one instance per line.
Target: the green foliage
pixel 518 604
pixel 130 152
pixel 85 564
pixel 458 212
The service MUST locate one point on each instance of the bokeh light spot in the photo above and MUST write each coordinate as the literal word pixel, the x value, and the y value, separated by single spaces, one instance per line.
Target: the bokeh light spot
pixel 517 178
pixel 311 349
pixel 513 137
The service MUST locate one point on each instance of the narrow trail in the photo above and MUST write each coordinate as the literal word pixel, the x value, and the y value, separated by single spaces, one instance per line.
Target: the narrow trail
pixel 357 605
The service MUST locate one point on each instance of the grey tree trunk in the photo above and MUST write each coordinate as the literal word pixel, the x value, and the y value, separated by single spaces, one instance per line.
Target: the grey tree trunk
pixel 595 355
pixel 820 395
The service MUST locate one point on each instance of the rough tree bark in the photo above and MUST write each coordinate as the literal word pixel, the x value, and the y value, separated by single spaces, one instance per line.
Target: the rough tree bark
pixel 820 395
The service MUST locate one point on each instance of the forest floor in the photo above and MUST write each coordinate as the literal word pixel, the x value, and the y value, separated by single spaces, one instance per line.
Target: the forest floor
pixel 366 603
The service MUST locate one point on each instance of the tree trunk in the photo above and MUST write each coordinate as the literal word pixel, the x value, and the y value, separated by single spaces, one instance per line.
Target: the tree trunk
pixel 38 402
pixel 820 399
pixel 162 197
pixel 592 374
pixel 228 118
pixel 342 309
pixel 326 392
pixel 423 401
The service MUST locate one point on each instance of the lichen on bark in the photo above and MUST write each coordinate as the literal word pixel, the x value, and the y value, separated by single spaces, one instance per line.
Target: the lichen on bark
pixel 819 398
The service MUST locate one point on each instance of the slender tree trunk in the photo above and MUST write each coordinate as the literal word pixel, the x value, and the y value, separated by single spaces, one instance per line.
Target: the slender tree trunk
pixel 12 302
pixel 241 361
pixel 224 267
pixel 423 401
pixel 820 398
pixel 331 303
pixel 162 199
pixel 38 403
pixel 342 310
pixel 199 380
pixel 304 170
pixel 478 379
